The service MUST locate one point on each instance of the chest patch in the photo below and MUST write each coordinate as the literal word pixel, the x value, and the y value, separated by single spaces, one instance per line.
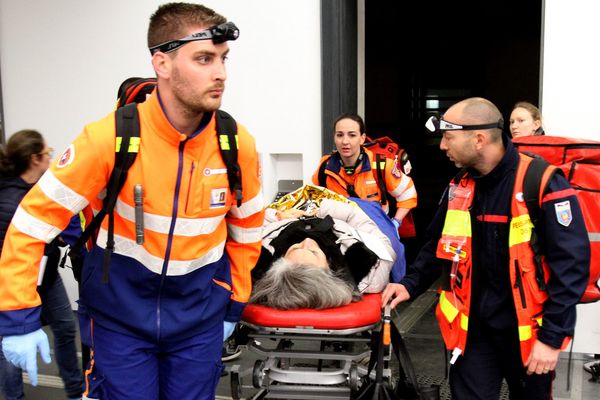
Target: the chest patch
pixel 217 198
pixel 563 213
pixel 214 171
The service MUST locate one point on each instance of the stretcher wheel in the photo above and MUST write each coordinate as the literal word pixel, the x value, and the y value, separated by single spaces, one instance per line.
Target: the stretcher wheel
pixel 258 374
pixel 353 378
pixel 236 386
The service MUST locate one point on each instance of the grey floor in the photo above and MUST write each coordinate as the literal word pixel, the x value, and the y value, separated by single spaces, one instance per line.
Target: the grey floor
pixel 424 343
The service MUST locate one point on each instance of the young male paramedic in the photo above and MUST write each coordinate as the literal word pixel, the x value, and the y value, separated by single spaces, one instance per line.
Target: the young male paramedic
pixel 501 314
pixel 159 322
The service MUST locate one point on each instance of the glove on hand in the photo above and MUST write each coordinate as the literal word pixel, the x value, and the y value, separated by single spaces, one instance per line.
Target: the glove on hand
pixel 396 225
pixel 21 350
pixel 228 328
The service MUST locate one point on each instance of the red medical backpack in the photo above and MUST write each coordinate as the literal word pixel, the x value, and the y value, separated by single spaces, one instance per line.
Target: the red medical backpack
pixel 579 159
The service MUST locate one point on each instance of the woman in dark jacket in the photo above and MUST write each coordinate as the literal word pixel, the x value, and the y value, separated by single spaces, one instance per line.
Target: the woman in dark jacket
pixel 23 161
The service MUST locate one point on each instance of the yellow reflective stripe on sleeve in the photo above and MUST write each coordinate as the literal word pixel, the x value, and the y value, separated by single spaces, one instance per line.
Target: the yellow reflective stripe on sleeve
pixel 525 333
pixel 458 223
pixel 382 165
pixel 134 144
pixel 448 309
pixel 520 230
pixel 224 142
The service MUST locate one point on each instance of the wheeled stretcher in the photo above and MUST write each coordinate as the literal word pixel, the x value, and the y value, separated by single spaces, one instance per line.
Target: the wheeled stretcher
pixel 309 354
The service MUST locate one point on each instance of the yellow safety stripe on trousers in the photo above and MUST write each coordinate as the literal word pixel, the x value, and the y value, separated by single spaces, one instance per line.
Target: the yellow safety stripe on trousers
pixel 134 144
pixel 458 223
pixel 520 230
pixel 224 142
pixel 525 331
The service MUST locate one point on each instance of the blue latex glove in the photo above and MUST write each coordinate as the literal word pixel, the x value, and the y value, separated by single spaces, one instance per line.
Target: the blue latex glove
pixel 21 350
pixel 228 328
pixel 396 225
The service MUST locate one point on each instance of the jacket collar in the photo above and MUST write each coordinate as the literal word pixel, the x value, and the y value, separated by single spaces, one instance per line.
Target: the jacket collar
pixel 154 115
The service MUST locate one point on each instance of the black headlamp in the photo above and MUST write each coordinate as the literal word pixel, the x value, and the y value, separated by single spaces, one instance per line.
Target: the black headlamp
pixel 435 124
pixel 218 34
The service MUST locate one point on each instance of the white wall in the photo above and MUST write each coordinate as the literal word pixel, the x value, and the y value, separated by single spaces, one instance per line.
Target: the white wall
pixel 571 68
pixel 62 62
pixel 571 102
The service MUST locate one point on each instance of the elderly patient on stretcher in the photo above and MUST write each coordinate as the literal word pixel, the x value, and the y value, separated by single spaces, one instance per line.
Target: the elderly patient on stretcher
pixel 320 250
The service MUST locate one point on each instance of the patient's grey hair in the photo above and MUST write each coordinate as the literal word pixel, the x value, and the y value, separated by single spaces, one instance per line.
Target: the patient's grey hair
pixel 289 286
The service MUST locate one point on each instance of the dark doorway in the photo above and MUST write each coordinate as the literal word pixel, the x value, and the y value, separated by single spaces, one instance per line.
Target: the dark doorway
pixel 423 56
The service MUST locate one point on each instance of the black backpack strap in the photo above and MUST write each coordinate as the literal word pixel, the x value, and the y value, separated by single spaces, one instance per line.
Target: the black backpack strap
pixel 228 145
pixel 380 161
pixel 127 130
pixel 531 194
pixel 322 176
pixel 407 369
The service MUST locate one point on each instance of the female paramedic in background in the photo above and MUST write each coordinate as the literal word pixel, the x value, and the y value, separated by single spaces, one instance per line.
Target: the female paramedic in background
pixel 525 120
pixel 22 162
pixel 352 169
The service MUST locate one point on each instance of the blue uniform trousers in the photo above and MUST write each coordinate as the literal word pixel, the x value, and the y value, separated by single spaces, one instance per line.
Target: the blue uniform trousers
pixel 493 355
pixel 127 367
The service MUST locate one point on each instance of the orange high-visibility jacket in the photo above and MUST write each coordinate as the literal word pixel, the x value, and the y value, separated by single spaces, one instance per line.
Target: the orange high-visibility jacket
pixel 455 245
pixel 193 269
pixel 399 185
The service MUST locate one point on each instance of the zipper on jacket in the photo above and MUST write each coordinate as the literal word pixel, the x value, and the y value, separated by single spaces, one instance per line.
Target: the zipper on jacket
pixel 519 284
pixel 170 235
pixel 187 199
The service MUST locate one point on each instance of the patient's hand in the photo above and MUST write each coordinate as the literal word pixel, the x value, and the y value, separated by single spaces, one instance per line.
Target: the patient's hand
pixel 395 292
pixel 295 213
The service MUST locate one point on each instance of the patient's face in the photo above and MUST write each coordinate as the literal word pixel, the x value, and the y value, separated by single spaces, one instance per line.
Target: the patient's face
pixel 307 252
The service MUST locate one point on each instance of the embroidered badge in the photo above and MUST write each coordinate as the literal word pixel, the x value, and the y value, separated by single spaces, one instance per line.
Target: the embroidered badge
pixel 396 171
pixel 217 198
pixel 563 213
pixel 66 157
pixel 519 196
pixel 407 167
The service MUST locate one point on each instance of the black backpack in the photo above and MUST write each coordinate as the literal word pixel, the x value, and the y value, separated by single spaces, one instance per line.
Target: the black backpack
pixel 127 123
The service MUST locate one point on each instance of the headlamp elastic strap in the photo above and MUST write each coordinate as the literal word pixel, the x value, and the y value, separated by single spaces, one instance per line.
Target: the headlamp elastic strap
pixel 218 34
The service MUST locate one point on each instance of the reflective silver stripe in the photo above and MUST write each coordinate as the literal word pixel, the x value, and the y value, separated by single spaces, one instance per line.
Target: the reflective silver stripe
pixel 594 236
pixel 129 248
pixel 248 207
pixel 33 226
pixel 402 191
pixel 161 224
pixel 402 186
pixel 244 235
pixel 61 194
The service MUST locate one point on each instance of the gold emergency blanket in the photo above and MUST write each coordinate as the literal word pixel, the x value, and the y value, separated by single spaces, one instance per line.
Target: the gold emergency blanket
pixel 307 198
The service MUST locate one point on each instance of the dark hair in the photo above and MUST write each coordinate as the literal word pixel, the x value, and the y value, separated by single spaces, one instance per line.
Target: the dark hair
pixel 16 154
pixel 354 117
pixel 172 20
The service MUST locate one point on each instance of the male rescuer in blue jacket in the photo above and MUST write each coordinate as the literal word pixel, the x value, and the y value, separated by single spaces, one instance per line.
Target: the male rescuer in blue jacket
pixel 502 316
